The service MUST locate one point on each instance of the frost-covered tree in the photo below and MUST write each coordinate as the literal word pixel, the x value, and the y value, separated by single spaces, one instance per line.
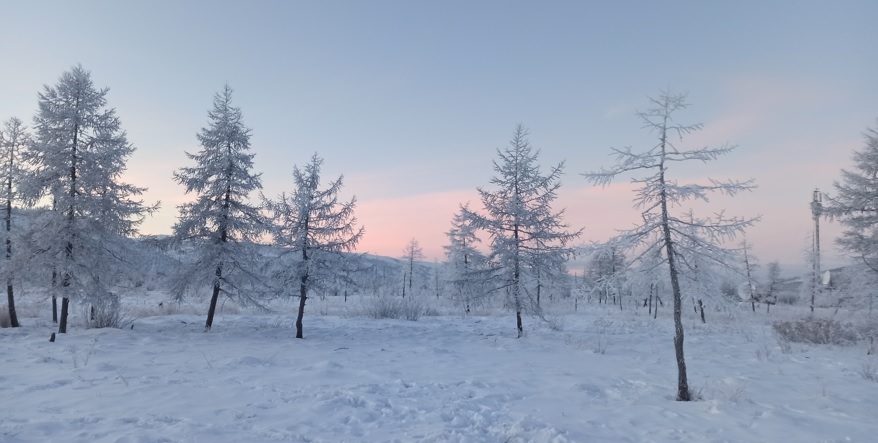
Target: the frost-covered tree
pixel 520 220
pixel 749 268
pixel 14 139
pixel 855 204
pixel 76 161
pixel 465 264
pixel 315 228
pixel 220 223
pixel 411 253
pixel 606 270
pixel 681 240
pixel 772 284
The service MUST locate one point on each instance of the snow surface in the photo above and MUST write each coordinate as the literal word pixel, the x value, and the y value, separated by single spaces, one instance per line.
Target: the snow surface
pixel 596 375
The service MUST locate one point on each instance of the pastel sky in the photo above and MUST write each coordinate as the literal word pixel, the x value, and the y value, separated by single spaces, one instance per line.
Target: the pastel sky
pixel 410 99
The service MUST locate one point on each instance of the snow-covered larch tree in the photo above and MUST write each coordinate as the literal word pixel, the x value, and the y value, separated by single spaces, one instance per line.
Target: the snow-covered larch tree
pixel 465 263
pixel 772 284
pixel 606 270
pixel 14 139
pixel 681 240
pixel 520 220
pixel 315 229
pixel 220 223
pixel 411 253
pixel 855 204
pixel 750 267
pixel 76 162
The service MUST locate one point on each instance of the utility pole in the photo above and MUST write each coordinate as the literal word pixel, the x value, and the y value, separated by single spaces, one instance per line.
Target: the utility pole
pixel 816 212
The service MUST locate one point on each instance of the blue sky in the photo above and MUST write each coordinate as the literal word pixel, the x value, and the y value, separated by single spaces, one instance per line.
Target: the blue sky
pixel 411 99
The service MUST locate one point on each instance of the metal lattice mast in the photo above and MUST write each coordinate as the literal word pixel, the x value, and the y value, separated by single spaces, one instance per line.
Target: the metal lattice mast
pixel 816 212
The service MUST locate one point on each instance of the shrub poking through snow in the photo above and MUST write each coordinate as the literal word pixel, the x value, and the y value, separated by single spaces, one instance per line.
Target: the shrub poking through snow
pixel 408 308
pixel 106 312
pixel 816 331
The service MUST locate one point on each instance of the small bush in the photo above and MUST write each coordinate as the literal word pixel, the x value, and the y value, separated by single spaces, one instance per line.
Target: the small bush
pixel 787 299
pixel 106 312
pixel 393 307
pixel 554 322
pixel 816 331
pixel 600 345
pixel 869 370
pixel 764 353
pixel 430 311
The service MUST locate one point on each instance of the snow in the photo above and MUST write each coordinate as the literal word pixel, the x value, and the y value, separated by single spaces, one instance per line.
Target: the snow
pixel 592 375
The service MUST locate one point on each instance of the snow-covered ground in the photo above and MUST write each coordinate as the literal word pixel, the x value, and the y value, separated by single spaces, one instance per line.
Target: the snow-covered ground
pixel 595 375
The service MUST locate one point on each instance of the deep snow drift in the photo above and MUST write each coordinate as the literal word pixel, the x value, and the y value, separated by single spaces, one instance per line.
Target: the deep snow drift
pixel 592 375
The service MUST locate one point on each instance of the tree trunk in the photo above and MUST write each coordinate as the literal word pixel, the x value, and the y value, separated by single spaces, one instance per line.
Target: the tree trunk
pixel 518 322
pixel 65 301
pixel 303 295
pixel 68 250
pixel 411 270
pixel 224 237
pixel 13 317
pixel 213 299
pixel 54 298
pixel 538 292
pixel 701 309
pixel 682 381
pixel 516 282
pixel 62 326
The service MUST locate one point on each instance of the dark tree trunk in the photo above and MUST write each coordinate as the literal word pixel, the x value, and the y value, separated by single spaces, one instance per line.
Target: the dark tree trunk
pixel 62 322
pixel 10 297
pixel 518 322
pixel 701 310
pixel 62 326
pixel 213 299
pixel 224 237
pixel 68 250
pixel 65 286
pixel 13 317
pixel 303 286
pixel 516 283
pixel 682 379
pixel 303 295
pixel 54 298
